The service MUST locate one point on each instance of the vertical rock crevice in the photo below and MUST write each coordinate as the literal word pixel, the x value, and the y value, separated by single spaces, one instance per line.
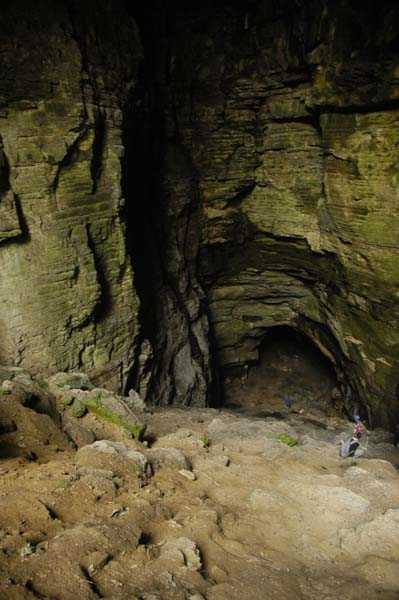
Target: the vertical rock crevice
pixel 164 241
pixel 11 218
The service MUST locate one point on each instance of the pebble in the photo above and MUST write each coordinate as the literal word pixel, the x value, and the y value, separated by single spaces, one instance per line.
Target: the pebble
pixel 188 474
pixel 98 560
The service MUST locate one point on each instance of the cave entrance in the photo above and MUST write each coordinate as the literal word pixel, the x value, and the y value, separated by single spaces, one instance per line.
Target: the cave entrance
pixel 291 368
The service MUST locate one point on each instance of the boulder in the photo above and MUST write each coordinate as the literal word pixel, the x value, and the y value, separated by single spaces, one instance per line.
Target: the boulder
pixel 184 551
pixel 14 373
pixel 114 409
pixel 169 458
pixel 81 436
pixel 115 457
pixel 184 439
pixel 135 401
pixel 77 391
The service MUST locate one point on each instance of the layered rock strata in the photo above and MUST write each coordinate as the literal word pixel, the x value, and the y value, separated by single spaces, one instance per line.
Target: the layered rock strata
pixel 288 120
pixel 234 168
pixel 66 296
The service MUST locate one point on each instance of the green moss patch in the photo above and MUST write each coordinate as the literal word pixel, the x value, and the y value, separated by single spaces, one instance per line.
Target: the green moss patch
pixel 206 441
pixel 78 409
pixel 288 440
pixel 95 406
pixel 285 438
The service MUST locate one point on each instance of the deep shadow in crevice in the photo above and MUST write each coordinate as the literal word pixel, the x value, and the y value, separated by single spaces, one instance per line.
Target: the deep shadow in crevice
pixel 161 237
pixel 140 184
pixel 104 305
pixel 23 236
pixel 217 391
pixel 10 450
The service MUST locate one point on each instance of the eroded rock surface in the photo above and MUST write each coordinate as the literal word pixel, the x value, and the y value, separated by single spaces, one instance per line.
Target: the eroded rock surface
pixel 66 297
pixel 219 507
pixel 234 169
pixel 284 123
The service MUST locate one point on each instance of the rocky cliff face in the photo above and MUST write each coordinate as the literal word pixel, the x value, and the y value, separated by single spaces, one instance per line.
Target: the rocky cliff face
pixel 287 120
pixel 66 296
pixel 260 181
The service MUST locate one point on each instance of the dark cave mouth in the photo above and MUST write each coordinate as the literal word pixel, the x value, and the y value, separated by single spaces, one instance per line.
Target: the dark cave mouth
pixel 291 373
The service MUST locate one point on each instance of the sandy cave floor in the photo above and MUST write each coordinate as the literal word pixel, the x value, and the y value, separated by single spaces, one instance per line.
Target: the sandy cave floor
pixel 227 510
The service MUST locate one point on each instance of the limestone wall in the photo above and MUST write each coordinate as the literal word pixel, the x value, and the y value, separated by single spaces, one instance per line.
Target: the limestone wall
pixel 290 120
pixel 67 299
pixel 260 188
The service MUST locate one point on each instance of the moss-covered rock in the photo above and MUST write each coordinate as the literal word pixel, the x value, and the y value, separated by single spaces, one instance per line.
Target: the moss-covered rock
pixel 113 409
pixel 78 409
pixel 76 394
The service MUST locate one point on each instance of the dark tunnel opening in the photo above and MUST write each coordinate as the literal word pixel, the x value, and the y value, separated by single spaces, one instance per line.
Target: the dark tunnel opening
pixel 291 373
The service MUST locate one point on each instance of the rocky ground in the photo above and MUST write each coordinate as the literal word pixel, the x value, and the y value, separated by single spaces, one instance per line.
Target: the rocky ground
pixel 209 504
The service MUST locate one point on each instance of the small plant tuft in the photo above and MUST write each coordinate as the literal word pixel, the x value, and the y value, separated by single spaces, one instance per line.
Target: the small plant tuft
pixel 206 441
pixel 67 401
pixel 288 440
